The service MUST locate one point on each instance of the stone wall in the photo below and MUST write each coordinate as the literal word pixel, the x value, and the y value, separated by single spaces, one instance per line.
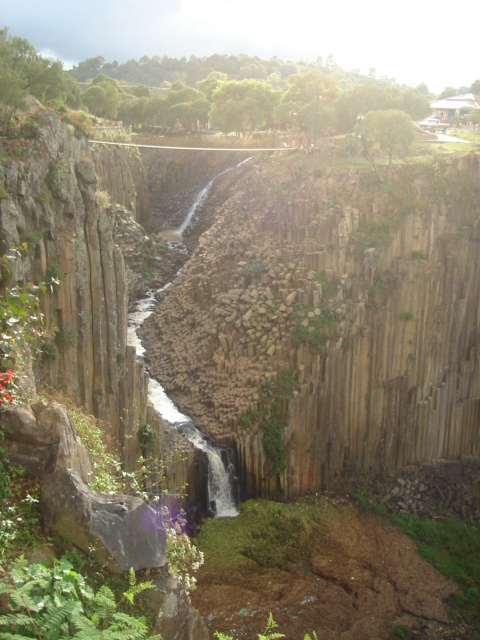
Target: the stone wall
pixel 380 285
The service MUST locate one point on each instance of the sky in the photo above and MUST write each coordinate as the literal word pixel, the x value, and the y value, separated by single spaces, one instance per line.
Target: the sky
pixel 411 41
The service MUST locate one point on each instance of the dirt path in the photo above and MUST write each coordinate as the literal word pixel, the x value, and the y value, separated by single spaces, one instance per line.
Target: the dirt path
pixel 364 579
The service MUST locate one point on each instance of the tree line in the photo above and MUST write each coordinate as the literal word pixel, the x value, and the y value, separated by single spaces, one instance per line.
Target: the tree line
pixel 234 94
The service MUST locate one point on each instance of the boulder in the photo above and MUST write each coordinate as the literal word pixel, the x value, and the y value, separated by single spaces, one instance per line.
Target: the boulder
pixel 175 617
pixel 42 439
pixel 123 531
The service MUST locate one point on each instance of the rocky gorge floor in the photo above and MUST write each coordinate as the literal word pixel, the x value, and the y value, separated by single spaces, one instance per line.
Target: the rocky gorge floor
pixel 360 579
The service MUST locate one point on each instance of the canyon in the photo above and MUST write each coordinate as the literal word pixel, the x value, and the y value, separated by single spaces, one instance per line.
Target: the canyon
pixel 323 324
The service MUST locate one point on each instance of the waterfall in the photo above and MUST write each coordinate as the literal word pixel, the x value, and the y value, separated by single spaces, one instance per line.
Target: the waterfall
pixel 221 477
pixel 202 195
pixel 221 472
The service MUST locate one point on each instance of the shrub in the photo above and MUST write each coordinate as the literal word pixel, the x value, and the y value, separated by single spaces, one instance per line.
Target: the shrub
pixel 65 339
pixel 4 195
pixel 104 200
pixel 56 174
pixel 54 277
pixel 371 235
pixel 20 322
pixel 5 269
pixel 57 602
pixel 274 446
pixel 406 315
pixel 418 255
pixel 30 237
pixel 49 351
pixel 147 438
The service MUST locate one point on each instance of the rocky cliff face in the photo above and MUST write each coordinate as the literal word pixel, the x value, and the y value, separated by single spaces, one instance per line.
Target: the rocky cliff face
pixel 329 324
pixel 51 205
pixel 121 173
pixel 96 248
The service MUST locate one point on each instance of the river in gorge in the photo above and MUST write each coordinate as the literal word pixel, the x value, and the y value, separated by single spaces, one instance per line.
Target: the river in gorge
pixel 221 468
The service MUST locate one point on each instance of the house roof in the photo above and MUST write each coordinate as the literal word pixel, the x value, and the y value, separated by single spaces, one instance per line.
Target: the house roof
pixel 467 101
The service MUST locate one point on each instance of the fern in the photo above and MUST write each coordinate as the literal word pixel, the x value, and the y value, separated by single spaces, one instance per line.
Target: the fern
pixel 59 604
pixel 14 636
pixel 267 634
pixel 15 619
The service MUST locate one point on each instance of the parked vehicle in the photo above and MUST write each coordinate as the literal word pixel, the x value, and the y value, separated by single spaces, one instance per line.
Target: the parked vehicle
pixel 433 124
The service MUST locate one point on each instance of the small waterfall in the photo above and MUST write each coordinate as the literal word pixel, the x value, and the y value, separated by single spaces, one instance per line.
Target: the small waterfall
pixel 221 477
pixel 202 195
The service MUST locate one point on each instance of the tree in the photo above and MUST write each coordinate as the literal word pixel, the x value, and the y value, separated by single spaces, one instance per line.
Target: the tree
pixel 448 92
pixel 13 79
pixel 387 128
pixel 211 82
pixel 237 105
pixel 474 117
pixel 311 85
pixel 316 118
pixel 475 88
pixel 103 97
pixel 88 69
pixel 93 98
pixel 375 96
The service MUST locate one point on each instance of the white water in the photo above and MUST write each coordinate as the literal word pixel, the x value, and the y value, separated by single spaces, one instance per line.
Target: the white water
pixel 202 195
pixel 219 478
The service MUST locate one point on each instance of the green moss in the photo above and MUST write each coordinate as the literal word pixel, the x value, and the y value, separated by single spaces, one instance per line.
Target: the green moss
pixel 314 334
pixel 418 255
pixel 371 235
pixel 56 175
pixel 4 195
pixel 266 534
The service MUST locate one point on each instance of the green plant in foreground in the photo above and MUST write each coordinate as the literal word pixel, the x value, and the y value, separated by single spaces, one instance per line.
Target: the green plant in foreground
pixel 400 631
pixel 268 632
pixel 51 603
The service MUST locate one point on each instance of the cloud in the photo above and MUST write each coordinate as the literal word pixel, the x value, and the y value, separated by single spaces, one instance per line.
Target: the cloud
pixel 410 40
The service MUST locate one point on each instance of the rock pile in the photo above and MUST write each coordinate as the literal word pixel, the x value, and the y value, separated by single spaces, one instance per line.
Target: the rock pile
pixel 443 489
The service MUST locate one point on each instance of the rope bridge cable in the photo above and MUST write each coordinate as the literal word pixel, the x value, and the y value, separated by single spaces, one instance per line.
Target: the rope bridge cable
pixel 155 146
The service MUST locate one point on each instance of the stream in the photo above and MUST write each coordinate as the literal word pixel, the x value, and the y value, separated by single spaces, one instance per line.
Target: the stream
pixel 221 468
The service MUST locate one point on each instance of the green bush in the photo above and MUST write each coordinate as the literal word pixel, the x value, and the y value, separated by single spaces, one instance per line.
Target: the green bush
pixel 56 175
pixel 147 438
pixel 30 236
pixel 4 195
pixel 49 351
pixel 406 315
pixel 54 277
pixel 274 446
pixel 371 235
pixel 65 339
pixel 418 255
pixel 57 602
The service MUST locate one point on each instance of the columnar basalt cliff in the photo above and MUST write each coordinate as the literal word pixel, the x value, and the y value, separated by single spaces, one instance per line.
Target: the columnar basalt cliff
pixel 328 324
pixel 121 173
pixel 51 204
pixel 96 249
